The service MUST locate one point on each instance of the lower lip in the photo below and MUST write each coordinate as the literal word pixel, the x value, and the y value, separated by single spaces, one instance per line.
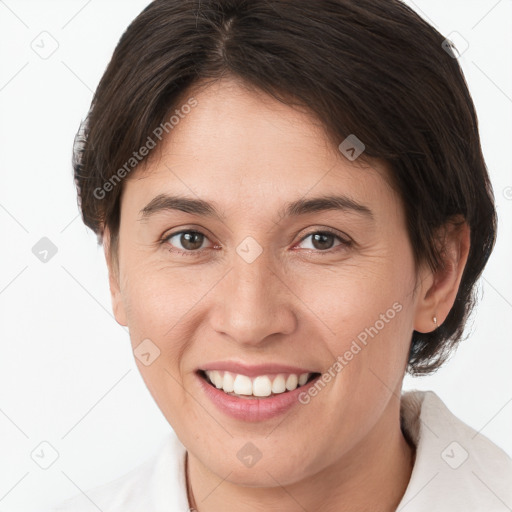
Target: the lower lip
pixel 254 409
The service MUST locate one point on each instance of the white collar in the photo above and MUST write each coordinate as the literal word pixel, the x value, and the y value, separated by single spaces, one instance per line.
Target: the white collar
pixel 456 469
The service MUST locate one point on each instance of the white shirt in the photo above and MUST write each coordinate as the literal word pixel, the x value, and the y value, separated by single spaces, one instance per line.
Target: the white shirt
pixel 456 469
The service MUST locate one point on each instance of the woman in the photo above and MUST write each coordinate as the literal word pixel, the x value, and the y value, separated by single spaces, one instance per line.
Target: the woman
pixel 295 209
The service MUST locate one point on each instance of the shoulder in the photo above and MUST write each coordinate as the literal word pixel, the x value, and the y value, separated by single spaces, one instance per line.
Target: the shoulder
pixel 155 485
pixel 456 467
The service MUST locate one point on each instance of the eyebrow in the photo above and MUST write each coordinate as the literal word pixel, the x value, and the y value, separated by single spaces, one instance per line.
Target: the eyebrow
pixel 165 202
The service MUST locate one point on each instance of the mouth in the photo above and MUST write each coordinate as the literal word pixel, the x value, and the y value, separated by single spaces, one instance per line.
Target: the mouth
pixel 264 386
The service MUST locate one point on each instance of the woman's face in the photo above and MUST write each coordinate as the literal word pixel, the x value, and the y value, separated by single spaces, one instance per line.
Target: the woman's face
pixel 264 290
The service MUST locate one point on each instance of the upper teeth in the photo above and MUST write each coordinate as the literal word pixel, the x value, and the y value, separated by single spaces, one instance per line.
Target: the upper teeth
pixel 263 385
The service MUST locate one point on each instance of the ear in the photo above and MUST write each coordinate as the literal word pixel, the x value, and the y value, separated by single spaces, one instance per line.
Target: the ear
pixel 438 289
pixel 114 281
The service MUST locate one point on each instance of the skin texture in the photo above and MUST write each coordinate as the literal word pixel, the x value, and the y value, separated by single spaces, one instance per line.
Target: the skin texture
pixel 297 303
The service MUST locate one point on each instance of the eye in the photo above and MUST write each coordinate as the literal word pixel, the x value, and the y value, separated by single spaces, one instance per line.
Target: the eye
pixel 191 241
pixel 323 241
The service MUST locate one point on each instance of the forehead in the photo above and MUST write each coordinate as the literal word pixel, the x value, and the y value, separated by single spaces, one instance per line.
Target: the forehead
pixel 243 147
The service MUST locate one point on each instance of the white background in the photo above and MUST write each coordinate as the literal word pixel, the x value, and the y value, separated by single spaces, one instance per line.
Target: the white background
pixel 67 374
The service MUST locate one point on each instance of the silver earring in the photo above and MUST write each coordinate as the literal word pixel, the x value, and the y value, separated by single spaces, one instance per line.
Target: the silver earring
pixel 434 319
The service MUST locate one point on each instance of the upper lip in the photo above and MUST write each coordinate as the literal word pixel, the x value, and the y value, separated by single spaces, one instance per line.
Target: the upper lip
pixel 254 370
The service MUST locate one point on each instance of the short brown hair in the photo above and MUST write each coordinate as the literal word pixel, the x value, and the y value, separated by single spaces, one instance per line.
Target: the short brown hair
pixel 373 68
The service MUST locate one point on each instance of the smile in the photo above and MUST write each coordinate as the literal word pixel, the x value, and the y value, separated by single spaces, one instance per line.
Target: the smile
pixel 256 393
pixel 242 386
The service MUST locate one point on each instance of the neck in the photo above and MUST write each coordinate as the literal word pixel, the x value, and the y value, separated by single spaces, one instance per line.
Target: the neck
pixel 372 476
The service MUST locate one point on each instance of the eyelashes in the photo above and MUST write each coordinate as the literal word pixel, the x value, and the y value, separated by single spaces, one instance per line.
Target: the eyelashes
pixel 344 242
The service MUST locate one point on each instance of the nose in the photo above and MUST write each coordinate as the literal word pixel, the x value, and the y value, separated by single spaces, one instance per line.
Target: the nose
pixel 254 302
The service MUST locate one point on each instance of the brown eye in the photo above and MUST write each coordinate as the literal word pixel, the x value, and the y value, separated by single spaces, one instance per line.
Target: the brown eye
pixel 323 241
pixel 186 240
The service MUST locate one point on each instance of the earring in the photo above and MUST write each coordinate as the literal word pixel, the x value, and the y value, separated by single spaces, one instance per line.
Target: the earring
pixel 434 319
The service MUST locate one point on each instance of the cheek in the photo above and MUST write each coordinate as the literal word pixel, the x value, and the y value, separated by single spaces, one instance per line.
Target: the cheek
pixel 369 311
pixel 162 305
pixel 165 305
pixel 359 301
pixel 160 295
